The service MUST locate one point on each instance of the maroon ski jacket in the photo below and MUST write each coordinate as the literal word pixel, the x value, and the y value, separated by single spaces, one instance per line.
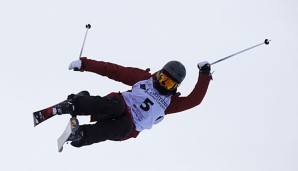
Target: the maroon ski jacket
pixel 130 76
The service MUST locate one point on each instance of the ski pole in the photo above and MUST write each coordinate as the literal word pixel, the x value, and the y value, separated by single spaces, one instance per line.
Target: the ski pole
pixel 88 26
pixel 266 42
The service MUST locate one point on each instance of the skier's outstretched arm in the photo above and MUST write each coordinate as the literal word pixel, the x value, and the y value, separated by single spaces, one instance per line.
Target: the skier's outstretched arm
pixel 126 75
pixel 179 104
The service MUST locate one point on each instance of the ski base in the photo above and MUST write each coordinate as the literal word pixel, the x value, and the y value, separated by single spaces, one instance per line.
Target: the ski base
pixel 71 127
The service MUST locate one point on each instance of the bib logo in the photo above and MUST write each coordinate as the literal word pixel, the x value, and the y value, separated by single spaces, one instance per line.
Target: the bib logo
pixel 143 86
pixel 161 100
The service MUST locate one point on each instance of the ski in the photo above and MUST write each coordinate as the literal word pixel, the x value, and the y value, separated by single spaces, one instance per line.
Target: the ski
pixel 71 127
pixel 45 114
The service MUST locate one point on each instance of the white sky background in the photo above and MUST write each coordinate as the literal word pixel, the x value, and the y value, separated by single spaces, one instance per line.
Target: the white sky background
pixel 247 121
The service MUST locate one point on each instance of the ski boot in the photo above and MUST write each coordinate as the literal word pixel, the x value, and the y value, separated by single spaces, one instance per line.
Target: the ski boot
pixel 68 106
pixel 76 138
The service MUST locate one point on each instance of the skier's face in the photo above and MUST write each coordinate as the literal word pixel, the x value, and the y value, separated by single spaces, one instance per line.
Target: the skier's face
pixel 166 82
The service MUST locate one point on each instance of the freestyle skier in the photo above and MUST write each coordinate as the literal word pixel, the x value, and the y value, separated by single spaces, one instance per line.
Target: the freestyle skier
pixel 123 115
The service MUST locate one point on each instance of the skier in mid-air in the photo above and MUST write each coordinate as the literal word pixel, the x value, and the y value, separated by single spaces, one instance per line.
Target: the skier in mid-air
pixel 123 115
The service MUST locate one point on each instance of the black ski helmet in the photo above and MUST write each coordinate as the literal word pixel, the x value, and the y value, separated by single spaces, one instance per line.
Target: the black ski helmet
pixel 176 70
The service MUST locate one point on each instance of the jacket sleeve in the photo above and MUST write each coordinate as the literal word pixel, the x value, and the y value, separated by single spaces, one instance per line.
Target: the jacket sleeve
pixel 126 75
pixel 179 104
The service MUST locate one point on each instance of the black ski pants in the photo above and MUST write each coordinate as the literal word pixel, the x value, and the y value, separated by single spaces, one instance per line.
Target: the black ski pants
pixel 111 121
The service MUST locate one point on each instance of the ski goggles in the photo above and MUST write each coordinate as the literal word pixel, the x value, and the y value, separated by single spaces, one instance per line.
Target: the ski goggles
pixel 167 82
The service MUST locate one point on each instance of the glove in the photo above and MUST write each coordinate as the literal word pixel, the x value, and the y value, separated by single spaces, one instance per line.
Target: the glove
pixel 75 65
pixel 204 67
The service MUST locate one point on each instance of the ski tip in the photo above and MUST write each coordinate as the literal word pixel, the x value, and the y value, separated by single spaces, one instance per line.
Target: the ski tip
pixel 60 149
pixel 267 41
pixel 34 121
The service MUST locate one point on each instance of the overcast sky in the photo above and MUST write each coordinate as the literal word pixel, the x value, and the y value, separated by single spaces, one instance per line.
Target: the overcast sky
pixel 248 120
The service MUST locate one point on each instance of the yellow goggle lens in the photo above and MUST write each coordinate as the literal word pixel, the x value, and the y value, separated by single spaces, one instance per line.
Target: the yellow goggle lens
pixel 166 82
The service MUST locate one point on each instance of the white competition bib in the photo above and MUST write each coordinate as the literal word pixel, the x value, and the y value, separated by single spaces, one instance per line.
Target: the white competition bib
pixel 146 104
